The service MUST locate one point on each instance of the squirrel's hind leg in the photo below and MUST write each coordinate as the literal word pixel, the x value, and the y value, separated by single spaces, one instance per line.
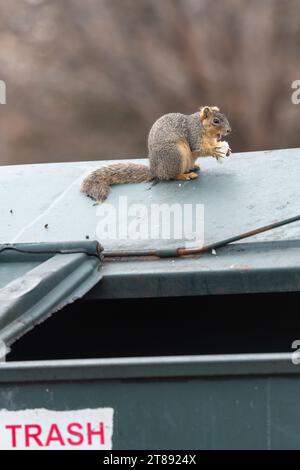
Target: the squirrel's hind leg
pixel 192 175
pixel 187 163
pixel 182 177
pixel 186 176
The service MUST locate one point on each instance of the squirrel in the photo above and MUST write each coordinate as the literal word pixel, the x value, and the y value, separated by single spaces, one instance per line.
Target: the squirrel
pixel 175 141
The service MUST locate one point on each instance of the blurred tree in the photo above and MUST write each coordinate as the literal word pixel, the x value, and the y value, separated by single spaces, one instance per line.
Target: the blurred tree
pixel 85 80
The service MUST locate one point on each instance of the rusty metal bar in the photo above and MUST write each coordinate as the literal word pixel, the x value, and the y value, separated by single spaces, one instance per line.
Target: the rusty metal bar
pixel 170 253
pixel 226 241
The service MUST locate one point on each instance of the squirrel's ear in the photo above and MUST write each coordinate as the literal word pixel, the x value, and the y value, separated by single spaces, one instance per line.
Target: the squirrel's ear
pixel 205 112
pixel 215 108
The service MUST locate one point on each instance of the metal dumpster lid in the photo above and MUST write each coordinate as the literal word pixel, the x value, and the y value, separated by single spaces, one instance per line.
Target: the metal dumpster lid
pixel 37 280
pixel 42 204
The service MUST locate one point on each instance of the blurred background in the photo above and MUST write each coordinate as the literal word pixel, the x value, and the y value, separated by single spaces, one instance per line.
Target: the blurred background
pixel 86 79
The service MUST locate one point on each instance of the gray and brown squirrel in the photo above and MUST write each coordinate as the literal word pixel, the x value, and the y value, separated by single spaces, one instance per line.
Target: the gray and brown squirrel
pixel 175 142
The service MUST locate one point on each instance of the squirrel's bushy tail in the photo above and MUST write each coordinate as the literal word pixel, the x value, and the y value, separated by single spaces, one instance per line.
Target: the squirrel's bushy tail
pixel 97 183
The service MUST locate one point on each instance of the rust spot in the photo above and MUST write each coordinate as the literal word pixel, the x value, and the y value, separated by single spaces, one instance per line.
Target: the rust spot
pixel 242 267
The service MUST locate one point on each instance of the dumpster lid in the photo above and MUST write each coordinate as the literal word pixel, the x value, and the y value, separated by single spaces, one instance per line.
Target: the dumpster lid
pixel 42 204
pixel 36 280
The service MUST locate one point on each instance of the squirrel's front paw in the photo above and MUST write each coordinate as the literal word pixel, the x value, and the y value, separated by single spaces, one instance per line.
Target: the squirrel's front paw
pixel 217 152
pixel 221 151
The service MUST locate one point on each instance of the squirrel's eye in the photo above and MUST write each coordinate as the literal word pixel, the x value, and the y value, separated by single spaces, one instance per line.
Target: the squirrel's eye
pixel 216 121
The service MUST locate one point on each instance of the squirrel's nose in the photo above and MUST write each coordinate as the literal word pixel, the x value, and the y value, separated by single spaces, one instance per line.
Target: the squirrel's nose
pixel 228 130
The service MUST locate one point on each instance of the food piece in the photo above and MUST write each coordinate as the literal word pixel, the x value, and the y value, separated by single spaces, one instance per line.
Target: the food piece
pixel 223 148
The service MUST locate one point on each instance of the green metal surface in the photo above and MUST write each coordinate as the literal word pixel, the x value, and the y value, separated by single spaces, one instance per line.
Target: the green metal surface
pixel 220 406
pixel 239 195
pixel 241 268
pixel 191 402
pixel 149 367
pixel 45 279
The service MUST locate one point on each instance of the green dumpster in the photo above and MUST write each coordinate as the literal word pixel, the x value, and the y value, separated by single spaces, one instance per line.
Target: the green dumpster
pixel 137 352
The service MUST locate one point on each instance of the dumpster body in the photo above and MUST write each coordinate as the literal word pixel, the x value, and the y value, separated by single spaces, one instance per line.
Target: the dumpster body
pixel 227 402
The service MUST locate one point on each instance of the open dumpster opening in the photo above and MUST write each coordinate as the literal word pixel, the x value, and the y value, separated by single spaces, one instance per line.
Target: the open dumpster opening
pixel 164 326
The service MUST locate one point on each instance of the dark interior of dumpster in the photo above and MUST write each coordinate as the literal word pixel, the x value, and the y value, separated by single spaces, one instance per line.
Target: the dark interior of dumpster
pixel 228 324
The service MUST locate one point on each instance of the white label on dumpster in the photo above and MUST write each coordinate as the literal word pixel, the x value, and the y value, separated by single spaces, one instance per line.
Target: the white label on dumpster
pixel 47 429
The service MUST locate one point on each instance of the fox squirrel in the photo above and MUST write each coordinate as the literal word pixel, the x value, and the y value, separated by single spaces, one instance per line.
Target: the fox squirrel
pixel 175 141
